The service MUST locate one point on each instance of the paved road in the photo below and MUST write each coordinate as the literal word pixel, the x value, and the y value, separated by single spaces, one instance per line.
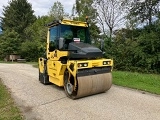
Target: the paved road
pixel 39 102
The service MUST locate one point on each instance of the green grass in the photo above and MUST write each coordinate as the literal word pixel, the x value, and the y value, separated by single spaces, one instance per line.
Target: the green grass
pixel 146 82
pixel 8 110
pixel 34 64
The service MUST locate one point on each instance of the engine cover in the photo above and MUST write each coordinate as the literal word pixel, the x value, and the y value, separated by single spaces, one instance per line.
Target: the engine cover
pixel 83 50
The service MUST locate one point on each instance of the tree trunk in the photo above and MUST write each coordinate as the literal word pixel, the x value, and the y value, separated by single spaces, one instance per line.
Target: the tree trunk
pixel 111 31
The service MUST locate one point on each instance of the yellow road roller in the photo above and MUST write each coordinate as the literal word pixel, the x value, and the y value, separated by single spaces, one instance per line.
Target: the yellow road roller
pixel 72 62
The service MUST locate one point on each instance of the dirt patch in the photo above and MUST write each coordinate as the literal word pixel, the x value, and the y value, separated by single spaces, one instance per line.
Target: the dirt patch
pixel 27 111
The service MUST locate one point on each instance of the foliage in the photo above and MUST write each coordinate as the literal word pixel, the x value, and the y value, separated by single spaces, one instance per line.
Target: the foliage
pixel 37 31
pixel 110 15
pixel 30 50
pixel 137 49
pixel 18 15
pixel 57 11
pixel 144 12
pixel 147 51
pixel 138 52
pixel 83 9
pixel 9 43
pixel 36 35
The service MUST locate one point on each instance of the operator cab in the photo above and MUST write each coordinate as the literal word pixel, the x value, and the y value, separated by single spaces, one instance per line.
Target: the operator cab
pixel 67 33
pixel 72 36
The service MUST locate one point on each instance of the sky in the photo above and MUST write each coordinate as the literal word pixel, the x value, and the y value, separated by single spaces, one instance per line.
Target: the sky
pixel 41 7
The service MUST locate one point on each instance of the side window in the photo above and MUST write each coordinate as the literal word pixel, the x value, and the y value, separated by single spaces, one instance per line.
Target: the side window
pixel 53 38
pixel 53 33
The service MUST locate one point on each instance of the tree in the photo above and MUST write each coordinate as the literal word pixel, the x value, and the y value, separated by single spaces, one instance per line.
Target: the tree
pixel 30 50
pixel 137 49
pixel 146 52
pixel 57 11
pixel 82 9
pixel 145 11
pixel 36 34
pixel 38 31
pixel 9 43
pixel 111 14
pixel 17 16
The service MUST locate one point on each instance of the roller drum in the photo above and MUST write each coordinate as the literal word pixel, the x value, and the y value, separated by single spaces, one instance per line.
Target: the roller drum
pixel 89 85
pixel 92 84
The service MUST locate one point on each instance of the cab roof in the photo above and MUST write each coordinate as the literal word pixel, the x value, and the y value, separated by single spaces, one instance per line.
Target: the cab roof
pixel 67 22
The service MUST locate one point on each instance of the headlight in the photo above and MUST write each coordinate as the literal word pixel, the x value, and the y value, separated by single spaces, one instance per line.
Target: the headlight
pixel 106 62
pixel 79 65
pixel 85 64
pixel 82 64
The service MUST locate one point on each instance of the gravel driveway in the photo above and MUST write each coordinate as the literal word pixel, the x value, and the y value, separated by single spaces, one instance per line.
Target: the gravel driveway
pixel 39 102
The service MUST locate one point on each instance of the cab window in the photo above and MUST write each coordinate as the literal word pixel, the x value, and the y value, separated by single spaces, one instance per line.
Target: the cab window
pixel 53 33
pixel 70 32
pixel 53 38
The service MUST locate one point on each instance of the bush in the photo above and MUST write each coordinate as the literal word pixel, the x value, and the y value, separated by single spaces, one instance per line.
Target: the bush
pixel 31 50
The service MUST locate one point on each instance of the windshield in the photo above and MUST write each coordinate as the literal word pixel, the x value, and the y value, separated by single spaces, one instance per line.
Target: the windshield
pixel 74 32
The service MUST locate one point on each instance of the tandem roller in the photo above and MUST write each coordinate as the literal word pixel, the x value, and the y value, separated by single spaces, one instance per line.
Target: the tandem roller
pixel 72 62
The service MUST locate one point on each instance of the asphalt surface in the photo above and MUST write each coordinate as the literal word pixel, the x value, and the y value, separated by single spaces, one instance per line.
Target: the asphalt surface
pixel 40 102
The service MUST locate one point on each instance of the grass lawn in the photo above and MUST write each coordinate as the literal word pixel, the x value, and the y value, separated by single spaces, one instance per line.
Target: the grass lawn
pixel 8 110
pixel 146 82
pixel 35 65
